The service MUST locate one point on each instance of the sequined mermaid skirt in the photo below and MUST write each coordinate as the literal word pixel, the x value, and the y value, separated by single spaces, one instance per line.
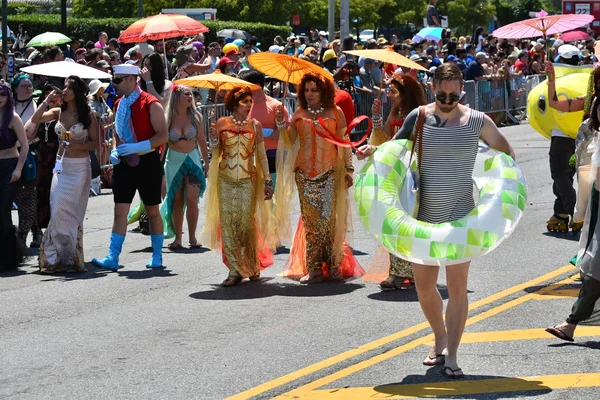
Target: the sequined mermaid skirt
pixel 238 227
pixel 62 244
pixel 317 205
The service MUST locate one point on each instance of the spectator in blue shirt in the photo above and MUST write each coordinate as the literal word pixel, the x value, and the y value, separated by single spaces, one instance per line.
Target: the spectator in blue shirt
pixel 475 70
pixel 470 54
pixel 435 61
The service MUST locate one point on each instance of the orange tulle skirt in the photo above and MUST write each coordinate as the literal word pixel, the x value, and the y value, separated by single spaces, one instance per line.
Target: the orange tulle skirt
pixel 295 268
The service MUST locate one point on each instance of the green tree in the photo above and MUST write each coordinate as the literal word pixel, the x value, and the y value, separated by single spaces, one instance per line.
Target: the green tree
pixel 466 15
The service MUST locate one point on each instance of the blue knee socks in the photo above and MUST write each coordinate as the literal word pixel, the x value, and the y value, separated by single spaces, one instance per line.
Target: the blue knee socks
pixel 111 261
pixel 157 244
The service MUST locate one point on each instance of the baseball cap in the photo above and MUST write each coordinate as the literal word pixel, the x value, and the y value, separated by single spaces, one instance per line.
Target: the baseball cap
pixel 568 51
pixel 369 61
pixel 452 57
pixel 328 55
pixel 309 50
pixel 232 52
pixel 103 64
pixel 225 60
pixel 430 50
pixel 415 58
pixel 481 54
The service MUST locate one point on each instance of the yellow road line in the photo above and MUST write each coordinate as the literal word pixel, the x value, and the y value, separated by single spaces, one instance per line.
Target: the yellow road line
pixel 458 388
pixel 388 339
pixel 558 294
pixel 521 334
pixel 417 342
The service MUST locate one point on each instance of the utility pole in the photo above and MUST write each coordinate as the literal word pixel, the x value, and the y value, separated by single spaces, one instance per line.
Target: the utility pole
pixel 63 17
pixel 344 19
pixel 330 20
pixel 140 8
pixel 5 26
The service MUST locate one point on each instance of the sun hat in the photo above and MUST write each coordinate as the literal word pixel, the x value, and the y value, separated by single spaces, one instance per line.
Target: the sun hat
pixel 96 85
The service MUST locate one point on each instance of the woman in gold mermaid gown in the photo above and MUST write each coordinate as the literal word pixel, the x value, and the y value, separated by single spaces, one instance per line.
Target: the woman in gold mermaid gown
pixel 238 222
pixel 322 173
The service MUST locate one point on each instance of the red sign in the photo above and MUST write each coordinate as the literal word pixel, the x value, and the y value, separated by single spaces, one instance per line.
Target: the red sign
pixel 296 19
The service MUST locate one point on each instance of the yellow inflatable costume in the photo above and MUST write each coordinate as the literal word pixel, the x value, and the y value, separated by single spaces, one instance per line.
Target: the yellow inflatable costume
pixel 571 82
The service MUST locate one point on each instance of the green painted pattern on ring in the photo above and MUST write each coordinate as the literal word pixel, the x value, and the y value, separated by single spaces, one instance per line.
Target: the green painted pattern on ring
pixel 382 198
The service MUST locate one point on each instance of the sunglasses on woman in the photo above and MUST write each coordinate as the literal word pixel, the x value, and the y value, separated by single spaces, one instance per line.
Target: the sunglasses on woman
pixel 443 97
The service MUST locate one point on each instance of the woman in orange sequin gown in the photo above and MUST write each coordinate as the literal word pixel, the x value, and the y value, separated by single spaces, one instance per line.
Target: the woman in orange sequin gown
pixel 322 173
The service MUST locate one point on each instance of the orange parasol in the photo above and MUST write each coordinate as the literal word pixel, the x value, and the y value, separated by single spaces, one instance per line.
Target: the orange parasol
pixel 161 26
pixel 217 81
pixel 388 56
pixel 285 68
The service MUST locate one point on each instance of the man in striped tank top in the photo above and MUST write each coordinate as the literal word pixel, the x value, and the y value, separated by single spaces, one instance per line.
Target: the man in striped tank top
pixel 450 137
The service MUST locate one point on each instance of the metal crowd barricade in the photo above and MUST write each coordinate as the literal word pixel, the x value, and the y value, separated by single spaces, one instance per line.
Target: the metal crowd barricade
pixel 491 97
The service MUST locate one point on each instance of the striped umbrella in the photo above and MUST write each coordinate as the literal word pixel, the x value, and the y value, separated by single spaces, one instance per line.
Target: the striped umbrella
pixel 434 34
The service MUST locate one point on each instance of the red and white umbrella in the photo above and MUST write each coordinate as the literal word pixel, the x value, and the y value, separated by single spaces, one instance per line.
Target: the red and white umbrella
pixel 543 25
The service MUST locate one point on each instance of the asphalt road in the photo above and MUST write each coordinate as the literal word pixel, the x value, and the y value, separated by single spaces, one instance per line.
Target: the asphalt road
pixel 176 334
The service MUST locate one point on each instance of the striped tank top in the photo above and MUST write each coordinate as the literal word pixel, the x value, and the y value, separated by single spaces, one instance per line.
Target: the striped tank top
pixel 447 162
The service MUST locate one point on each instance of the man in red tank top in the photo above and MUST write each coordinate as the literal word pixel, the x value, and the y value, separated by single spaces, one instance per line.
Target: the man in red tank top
pixel 141 128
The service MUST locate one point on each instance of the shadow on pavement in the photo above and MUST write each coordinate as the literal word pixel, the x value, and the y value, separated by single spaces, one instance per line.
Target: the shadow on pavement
pixel 436 384
pixel 589 344
pixel 147 273
pixel 186 250
pixel 261 289
pixel 91 273
pixel 10 273
pixel 560 235
pixel 404 295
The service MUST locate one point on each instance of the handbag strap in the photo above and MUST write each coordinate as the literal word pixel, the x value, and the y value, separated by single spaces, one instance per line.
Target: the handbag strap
pixel 417 137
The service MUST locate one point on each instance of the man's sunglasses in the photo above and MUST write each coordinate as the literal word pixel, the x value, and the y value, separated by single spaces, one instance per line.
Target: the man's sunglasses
pixel 442 97
pixel 117 81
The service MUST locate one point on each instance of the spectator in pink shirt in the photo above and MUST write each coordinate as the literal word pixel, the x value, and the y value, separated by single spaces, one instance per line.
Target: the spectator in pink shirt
pixel 102 39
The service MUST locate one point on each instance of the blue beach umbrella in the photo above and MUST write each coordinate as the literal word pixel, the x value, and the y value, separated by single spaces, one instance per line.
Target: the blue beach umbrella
pixel 434 34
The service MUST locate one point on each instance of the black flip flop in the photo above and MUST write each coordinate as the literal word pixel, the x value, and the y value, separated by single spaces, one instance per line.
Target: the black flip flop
pixel 453 371
pixel 559 333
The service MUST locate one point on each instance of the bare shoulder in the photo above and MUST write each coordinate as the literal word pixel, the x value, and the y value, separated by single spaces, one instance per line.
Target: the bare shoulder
pixel 156 107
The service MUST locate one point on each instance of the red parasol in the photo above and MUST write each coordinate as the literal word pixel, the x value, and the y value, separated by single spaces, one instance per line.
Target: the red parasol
pixel 161 26
pixel 574 36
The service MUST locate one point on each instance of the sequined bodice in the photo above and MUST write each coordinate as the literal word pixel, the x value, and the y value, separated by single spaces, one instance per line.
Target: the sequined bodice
pixel 78 132
pixel 316 155
pixel 237 152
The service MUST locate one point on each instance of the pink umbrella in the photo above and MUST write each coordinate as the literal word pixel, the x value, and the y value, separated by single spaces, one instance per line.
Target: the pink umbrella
pixel 574 36
pixel 543 25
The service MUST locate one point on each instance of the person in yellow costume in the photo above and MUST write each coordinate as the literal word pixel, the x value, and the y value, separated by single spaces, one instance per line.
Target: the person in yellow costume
pixel 562 148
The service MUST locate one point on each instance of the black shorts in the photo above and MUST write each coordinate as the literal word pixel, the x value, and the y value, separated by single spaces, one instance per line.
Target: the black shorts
pixel 146 178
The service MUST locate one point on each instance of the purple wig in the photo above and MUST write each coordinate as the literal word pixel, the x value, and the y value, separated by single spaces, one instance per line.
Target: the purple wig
pixel 200 47
pixel 7 113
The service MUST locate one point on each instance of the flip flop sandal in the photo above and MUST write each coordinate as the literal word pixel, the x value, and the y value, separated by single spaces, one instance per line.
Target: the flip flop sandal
pixel 559 333
pixel 435 360
pixel 195 245
pixel 452 373
pixel 175 246
pixel 232 281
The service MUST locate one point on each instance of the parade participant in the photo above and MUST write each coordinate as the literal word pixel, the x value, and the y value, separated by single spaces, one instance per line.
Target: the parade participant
pixel 46 158
pixel 141 128
pixel 587 257
pixel 263 110
pixel 562 148
pixel 405 94
pixel 184 171
pixel 450 136
pixel 323 173
pixel 25 200
pixel 153 78
pixel 238 221
pixel 62 245
pixel 11 164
